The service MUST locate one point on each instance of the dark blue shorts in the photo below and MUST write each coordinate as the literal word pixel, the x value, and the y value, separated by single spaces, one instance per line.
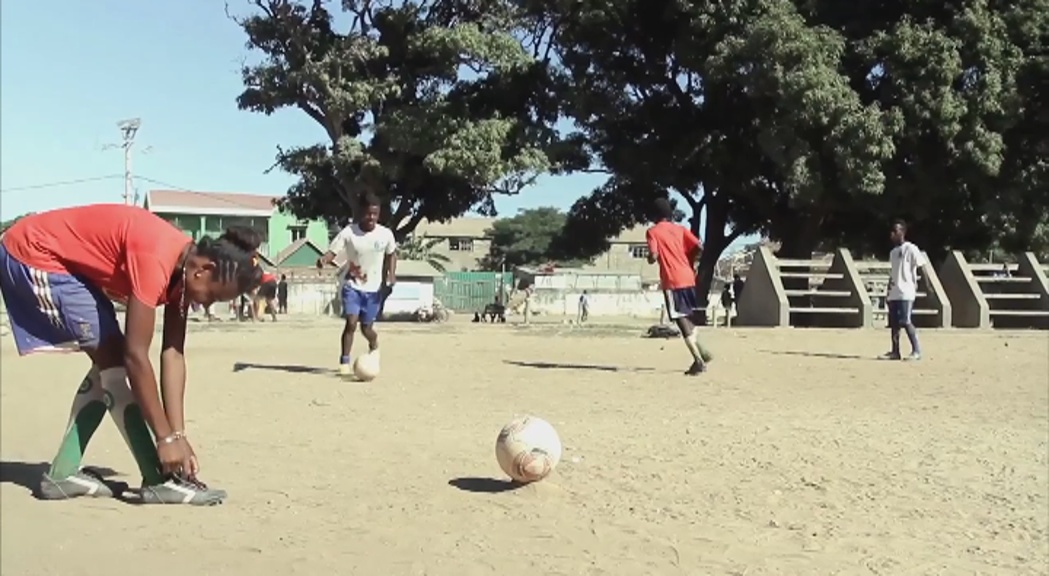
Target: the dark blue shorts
pixel 52 312
pixel 899 312
pixel 681 302
pixel 364 305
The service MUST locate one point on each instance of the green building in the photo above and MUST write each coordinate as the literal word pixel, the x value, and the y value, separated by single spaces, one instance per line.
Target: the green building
pixel 286 240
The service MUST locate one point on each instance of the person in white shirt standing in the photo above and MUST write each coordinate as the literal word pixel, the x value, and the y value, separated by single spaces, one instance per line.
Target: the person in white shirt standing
pixel 370 252
pixel 905 260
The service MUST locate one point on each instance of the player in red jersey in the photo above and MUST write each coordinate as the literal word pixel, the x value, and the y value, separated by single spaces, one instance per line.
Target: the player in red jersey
pixel 60 272
pixel 676 249
pixel 266 297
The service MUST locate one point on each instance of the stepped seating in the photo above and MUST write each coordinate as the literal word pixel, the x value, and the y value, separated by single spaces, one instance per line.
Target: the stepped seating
pixel 811 293
pixel 932 308
pixel 997 296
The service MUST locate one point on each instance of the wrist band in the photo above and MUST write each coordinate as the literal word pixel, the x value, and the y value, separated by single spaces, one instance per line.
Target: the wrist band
pixel 174 437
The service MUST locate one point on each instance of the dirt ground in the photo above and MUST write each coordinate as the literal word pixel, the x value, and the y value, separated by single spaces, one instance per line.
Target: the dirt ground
pixel 797 454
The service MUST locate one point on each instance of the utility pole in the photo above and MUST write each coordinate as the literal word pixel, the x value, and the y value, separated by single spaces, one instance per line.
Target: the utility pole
pixel 128 131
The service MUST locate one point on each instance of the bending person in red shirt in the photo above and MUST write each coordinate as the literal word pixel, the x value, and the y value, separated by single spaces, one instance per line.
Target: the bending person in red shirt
pixel 60 272
pixel 266 297
pixel 676 249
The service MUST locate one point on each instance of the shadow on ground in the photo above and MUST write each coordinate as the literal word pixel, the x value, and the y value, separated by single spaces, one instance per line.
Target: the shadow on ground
pixel 818 354
pixel 562 366
pixel 483 485
pixel 28 475
pixel 289 368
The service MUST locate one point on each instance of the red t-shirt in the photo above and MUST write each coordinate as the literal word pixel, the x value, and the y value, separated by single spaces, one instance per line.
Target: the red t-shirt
pixel 122 250
pixel 674 246
pixel 268 278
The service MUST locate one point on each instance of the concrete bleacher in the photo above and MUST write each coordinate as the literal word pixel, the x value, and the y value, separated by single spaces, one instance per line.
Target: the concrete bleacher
pixel 932 308
pixel 996 295
pixel 815 292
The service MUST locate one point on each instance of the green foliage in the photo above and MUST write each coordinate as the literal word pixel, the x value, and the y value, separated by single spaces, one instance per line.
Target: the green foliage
pixel 810 121
pixel 422 249
pixel 8 223
pixel 423 102
pixel 526 239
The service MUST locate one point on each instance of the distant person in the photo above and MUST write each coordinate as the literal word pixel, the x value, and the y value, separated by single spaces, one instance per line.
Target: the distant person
pixel 266 297
pixel 726 302
pixel 584 307
pixel 905 260
pixel 676 249
pixel 60 272
pixel 282 294
pixel 737 288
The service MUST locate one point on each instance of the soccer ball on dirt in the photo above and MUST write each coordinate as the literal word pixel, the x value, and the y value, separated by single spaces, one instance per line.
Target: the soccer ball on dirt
pixel 528 449
pixel 366 367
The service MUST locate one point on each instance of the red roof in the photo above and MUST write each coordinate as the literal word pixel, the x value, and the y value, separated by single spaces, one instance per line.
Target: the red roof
pixel 161 200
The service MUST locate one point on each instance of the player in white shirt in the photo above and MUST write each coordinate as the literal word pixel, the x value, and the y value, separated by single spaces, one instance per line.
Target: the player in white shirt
pixel 370 252
pixel 905 260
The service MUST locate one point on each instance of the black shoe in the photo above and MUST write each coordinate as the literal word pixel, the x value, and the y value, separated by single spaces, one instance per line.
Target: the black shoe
pixel 696 369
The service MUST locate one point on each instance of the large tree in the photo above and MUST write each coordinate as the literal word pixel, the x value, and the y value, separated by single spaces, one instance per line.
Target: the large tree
pixel 813 122
pixel 963 86
pixel 435 105
pixel 736 109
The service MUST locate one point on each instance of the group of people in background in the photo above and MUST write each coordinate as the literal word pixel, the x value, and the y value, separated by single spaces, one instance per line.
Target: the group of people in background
pixel 270 297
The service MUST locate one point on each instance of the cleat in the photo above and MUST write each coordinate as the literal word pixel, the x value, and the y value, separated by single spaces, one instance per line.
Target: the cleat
pixel 80 484
pixel 177 490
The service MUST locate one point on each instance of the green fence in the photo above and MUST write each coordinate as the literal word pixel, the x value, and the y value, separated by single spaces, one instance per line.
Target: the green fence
pixel 471 291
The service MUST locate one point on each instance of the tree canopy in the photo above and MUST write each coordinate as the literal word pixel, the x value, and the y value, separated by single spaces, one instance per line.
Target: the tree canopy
pixel 526 239
pixel 810 121
pixel 430 104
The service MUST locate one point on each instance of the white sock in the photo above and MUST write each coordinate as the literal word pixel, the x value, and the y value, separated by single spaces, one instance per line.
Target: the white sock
pixel 127 415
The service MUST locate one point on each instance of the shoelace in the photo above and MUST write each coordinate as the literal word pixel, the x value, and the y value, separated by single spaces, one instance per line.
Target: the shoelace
pixel 189 482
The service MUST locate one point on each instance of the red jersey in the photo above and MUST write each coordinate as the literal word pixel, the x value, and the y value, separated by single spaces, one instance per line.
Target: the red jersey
pixel 268 278
pixel 674 247
pixel 122 250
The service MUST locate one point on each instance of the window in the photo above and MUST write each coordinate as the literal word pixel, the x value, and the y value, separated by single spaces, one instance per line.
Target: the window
pixel 461 244
pixel 639 250
pixel 297 233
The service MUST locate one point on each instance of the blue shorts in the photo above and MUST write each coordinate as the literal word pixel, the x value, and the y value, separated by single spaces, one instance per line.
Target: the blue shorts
pixel 899 312
pixel 681 302
pixel 50 311
pixel 364 305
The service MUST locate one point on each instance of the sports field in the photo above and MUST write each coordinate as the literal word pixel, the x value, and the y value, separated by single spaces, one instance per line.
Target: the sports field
pixel 796 455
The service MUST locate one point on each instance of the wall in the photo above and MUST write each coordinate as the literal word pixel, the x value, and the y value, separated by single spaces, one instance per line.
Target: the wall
pixel 198 225
pixel 564 303
pixel 280 225
pixel 408 296
pixel 315 293
pixel 620 257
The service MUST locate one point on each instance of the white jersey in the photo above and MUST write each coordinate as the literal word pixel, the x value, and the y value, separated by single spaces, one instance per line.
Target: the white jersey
pixel 903 277
pixel 367 250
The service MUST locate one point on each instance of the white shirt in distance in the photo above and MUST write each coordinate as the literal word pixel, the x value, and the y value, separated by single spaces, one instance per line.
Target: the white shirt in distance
pixel 905 260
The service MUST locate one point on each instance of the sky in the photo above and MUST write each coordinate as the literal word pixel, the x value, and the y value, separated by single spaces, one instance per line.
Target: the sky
pixel 66 81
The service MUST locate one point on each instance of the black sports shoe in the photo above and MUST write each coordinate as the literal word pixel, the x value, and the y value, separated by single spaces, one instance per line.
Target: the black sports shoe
pixel 696 369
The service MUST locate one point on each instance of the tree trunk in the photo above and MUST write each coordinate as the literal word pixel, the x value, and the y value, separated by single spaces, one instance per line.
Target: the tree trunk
pixel 714 244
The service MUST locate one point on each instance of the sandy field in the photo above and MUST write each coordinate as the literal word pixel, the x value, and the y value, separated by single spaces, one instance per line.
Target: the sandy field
pixel 797 454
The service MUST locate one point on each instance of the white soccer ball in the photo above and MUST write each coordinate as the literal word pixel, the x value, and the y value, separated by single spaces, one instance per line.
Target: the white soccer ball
pixel 528 449
pixel 366 366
